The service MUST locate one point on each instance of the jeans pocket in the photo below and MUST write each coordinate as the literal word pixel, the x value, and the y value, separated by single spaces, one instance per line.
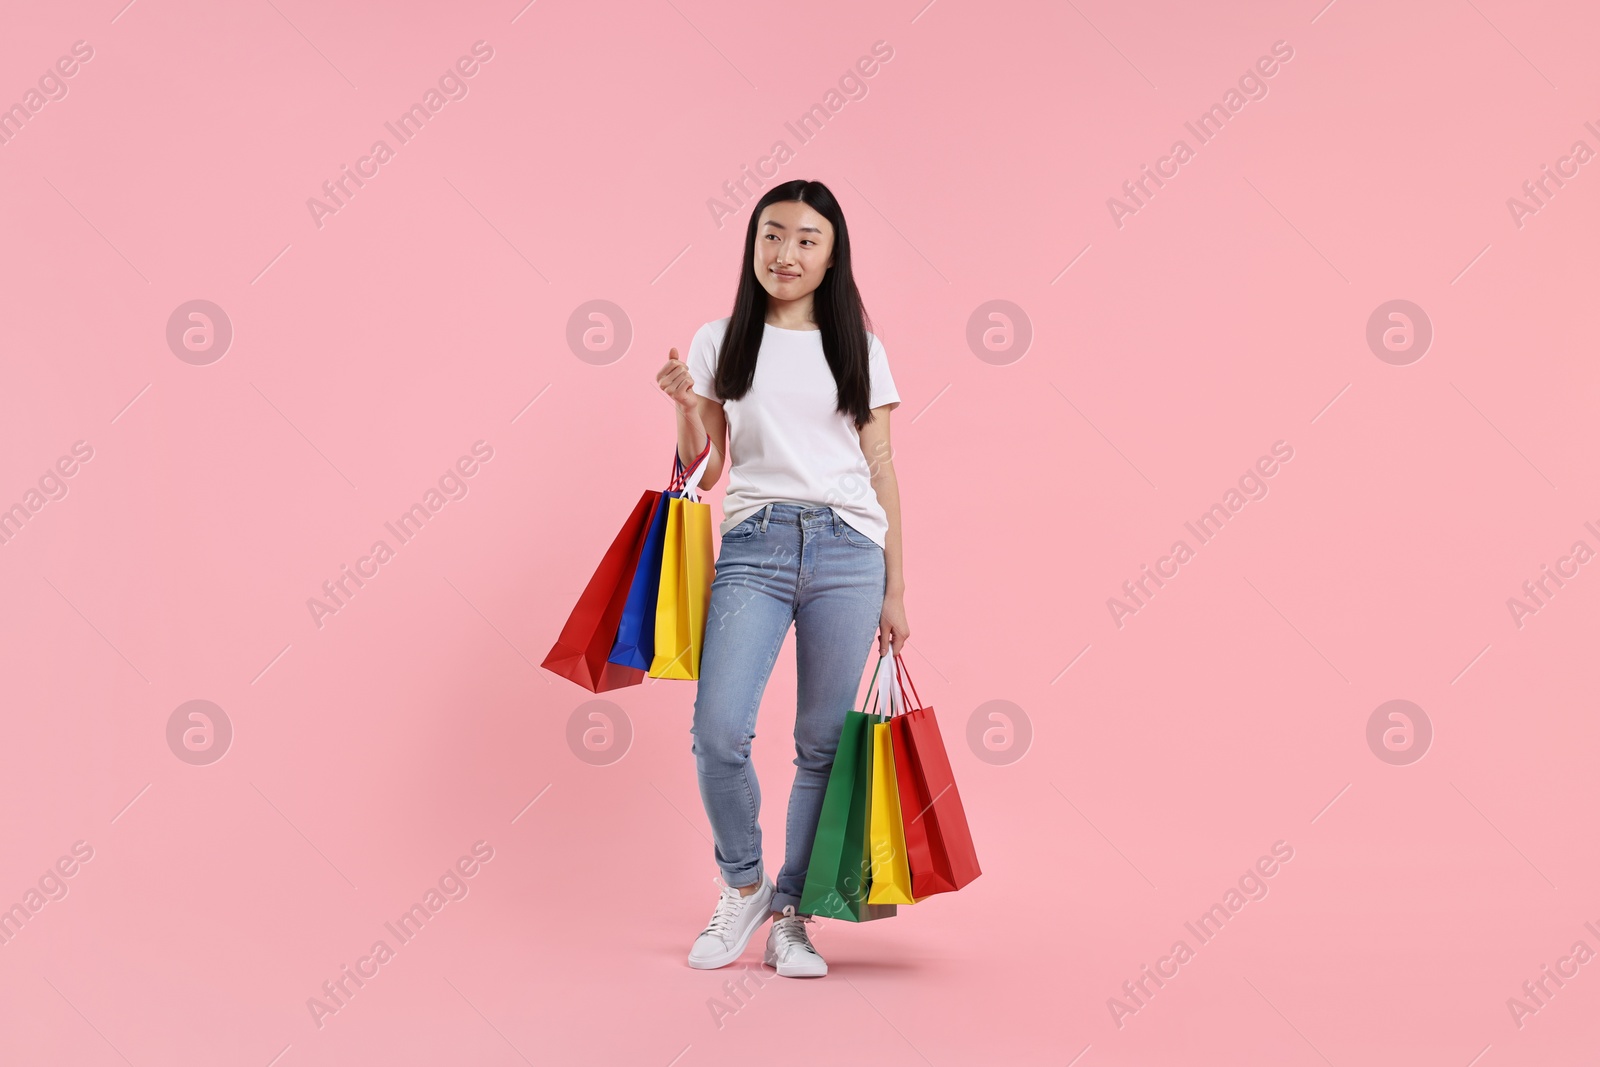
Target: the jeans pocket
pixel 746 530
pixel 857 538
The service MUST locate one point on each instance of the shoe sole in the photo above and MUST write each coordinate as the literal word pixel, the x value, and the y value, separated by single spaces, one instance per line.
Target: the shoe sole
pixel 793 974
pixel 737 950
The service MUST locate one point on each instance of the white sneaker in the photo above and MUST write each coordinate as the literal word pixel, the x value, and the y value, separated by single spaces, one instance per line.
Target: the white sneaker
pixel 790 950
pixel 736 918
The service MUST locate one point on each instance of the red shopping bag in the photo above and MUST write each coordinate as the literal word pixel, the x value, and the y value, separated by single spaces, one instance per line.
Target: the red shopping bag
pixel 938 841
pixel 582 651
pixel 920 845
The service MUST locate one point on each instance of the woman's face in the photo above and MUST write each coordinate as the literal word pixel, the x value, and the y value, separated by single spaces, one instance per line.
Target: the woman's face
pixel 794 249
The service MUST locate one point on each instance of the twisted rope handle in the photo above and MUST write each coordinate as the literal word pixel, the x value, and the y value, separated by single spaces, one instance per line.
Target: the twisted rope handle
pixel 680 473
pixel 872 688
pixel 888 691
pixel 902 669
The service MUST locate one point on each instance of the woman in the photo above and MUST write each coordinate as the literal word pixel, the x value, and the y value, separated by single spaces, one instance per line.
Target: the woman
pixel 794 389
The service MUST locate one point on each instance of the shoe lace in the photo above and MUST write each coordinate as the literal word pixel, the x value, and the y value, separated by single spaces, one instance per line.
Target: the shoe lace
pixel 728 908
pixel 790 931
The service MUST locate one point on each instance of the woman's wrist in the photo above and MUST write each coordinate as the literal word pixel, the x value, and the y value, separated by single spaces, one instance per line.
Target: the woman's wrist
pixel 698 437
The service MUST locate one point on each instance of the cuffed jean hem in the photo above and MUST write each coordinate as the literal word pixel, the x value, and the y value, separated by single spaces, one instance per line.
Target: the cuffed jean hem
pixel 781 900
pixel 751 875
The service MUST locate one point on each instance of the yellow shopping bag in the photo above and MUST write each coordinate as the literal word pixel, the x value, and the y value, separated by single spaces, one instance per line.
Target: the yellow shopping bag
pixel 891 868
pixel 686 571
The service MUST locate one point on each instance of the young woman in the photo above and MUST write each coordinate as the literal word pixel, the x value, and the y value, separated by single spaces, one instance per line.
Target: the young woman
pixel 797 393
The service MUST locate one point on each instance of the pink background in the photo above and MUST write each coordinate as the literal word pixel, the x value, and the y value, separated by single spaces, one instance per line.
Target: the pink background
pixel 432 311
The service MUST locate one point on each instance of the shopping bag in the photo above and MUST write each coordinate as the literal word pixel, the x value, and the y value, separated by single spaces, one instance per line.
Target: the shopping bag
pixel 838 874
pixel 687 569
pixel 635 645
pixel 582 651
pixel 891 873
pixel 925 877
pixel 951 860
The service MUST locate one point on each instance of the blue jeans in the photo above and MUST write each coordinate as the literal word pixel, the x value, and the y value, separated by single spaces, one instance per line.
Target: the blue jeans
pixel 786 563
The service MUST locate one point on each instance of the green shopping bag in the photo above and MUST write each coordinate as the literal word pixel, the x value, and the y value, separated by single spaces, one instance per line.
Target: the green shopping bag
pixel 839 874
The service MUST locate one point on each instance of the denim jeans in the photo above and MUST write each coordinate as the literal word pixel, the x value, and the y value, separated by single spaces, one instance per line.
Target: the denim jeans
pixel 786 563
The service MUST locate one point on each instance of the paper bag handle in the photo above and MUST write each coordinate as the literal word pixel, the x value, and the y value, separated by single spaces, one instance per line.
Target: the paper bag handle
pixel 889 694
pixel 871 688
pixel 689 483
pixel 902 669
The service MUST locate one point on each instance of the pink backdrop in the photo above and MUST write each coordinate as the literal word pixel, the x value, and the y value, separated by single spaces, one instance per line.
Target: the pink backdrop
pixel 1432 457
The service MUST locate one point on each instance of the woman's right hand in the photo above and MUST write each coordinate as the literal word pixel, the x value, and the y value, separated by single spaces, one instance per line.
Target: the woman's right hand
pixel 674 379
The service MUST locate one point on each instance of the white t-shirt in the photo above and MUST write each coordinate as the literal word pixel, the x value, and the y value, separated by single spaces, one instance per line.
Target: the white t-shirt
pixel 787 441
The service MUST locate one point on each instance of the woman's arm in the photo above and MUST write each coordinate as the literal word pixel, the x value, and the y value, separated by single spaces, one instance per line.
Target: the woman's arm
pixel 893 630
pixel 706 420
pixel 698 418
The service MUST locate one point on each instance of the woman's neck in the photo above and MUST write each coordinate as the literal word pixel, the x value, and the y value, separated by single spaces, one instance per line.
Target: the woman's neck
pixel 791 314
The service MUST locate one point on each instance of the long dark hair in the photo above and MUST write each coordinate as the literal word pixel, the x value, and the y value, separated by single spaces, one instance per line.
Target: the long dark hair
pixel 836 304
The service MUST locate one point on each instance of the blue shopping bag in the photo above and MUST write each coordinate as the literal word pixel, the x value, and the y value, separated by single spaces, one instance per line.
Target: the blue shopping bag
pixel 635 645
pixel 636 634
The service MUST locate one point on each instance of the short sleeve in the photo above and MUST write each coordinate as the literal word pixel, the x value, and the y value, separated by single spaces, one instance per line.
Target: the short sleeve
pixel 883 388
pixel 703 360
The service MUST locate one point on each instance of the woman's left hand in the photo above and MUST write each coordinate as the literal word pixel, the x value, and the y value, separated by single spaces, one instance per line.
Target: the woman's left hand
pixel 893 630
